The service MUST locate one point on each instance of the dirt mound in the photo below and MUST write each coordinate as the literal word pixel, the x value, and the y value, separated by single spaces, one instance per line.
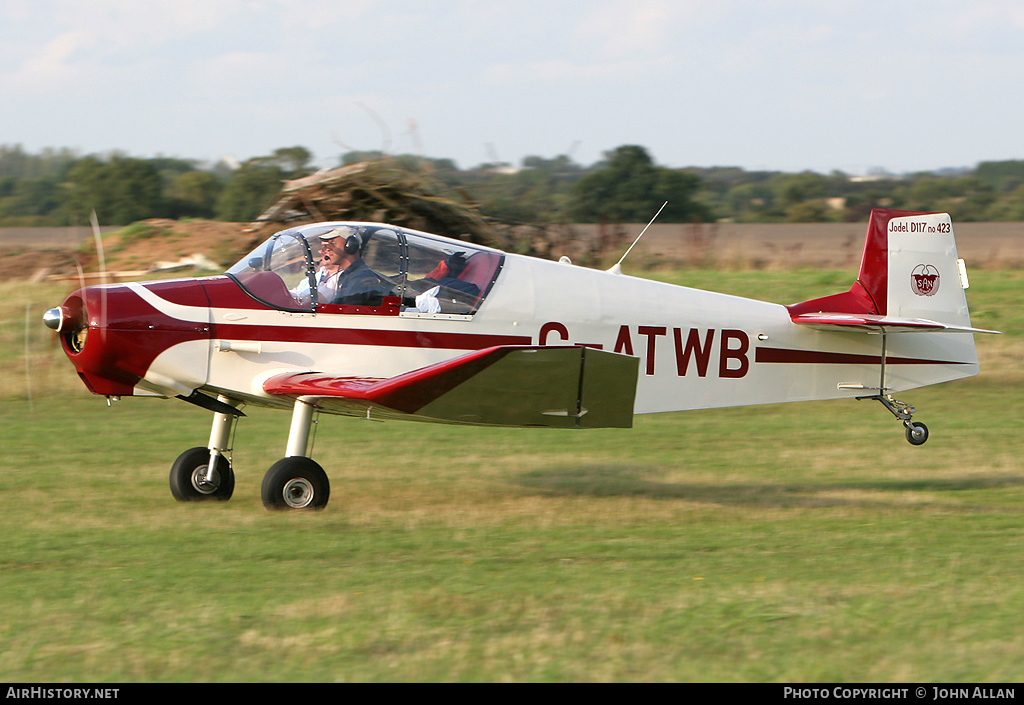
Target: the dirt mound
pixel 381 191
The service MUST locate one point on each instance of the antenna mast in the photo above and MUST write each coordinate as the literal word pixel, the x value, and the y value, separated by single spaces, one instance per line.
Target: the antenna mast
pixel 617 267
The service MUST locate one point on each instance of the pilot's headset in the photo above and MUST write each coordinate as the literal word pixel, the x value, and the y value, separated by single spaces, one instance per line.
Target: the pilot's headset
pixel 352 242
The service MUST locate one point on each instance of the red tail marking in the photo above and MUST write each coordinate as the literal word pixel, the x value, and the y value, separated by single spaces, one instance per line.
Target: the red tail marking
pixel 869 294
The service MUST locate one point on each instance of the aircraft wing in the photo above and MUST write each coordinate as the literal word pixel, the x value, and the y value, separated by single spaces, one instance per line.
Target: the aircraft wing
pixel 874 323
pixel 563 387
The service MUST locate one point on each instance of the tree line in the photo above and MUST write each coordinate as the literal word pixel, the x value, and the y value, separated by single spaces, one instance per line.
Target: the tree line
pixel 60 187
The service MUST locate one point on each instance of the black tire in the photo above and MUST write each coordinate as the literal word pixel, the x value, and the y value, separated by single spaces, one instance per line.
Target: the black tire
pixel 191 465
pixel 295 483
pixel 917 433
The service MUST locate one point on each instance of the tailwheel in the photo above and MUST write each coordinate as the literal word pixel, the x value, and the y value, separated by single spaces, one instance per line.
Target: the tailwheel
pixel 917 433
pixel 191 481
pixel 295 482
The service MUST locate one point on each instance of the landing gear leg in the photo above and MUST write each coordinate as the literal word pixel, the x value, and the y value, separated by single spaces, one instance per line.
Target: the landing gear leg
pixel 206 473
pixel 296 481
pixel 220 436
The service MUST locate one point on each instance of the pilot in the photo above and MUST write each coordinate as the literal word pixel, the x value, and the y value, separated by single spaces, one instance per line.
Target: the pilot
pixel 329 269
pixel 344 277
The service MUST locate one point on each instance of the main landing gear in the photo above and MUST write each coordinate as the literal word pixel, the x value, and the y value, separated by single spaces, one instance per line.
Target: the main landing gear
pixel 201 474
pixel 294 482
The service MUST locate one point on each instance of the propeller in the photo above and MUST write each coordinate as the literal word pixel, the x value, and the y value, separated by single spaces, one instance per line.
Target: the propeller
pixel 28 358
pixel 71 318
pixel 97 237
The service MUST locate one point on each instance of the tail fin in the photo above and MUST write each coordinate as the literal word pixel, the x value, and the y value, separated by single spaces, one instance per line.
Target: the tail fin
pixel 909 272
pixel 910 267
pixel 910 281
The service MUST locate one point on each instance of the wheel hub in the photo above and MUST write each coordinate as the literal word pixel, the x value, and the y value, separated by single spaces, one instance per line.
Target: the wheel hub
pixel 201 484
pixel 298 493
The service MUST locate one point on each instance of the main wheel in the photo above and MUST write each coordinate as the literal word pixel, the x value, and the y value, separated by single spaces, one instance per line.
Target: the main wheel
pixel 187 475
pixel 295 483
pixel 917 433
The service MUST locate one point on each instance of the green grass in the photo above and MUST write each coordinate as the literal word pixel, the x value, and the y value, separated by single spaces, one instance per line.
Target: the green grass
pixel 792 543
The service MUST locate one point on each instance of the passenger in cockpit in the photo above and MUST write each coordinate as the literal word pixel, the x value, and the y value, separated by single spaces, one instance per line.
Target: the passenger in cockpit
pixel 447 274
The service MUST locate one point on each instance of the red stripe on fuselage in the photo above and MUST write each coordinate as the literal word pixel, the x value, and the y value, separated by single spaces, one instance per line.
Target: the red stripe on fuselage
pixel 815 357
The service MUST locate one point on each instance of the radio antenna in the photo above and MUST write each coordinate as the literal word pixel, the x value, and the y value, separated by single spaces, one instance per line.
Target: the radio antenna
pixel 617 267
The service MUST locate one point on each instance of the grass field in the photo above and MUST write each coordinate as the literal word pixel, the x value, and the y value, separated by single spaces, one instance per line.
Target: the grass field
pixel 793 543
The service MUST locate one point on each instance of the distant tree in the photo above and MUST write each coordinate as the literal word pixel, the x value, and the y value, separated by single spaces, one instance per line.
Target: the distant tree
pixel 859 205
pixel 746 200
pixel 794 189
pixel 734 194
pixel 249 191
pixel 974 200
pixel 171 167
pixel 34 197
pixel 1004 176
pixel 26 202
pixel 525 196
pixel 1009 207
pixel 121 190
pixel 629 188
pixel 293 161
pixel 355 157
pixel 253 186
pixel 14 161
pixel 194 194
pixel 924 193
pixel 814 211
pixel 536 193
pixel 964 198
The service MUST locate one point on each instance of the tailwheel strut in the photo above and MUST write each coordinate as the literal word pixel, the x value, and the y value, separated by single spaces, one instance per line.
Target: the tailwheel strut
pixel 917 432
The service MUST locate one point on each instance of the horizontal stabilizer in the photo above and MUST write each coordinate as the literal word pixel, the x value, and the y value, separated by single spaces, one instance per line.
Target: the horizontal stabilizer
pixel 565 387
pixel 874 323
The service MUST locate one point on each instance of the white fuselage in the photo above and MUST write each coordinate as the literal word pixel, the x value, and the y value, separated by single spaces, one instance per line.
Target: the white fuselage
pixel 697 349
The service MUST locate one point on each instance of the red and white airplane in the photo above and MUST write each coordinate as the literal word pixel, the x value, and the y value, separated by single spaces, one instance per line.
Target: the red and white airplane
pixel 427 328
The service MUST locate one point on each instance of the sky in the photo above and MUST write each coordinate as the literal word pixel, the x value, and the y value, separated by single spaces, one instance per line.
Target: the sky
pixel 788 85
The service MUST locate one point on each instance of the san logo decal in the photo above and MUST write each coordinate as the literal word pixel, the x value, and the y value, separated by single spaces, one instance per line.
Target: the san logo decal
pixel 924 280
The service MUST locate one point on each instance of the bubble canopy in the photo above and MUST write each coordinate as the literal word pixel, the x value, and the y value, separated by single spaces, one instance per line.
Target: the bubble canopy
pixel 399 270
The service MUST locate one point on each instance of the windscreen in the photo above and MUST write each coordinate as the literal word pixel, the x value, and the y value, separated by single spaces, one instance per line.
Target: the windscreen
pixel 279 272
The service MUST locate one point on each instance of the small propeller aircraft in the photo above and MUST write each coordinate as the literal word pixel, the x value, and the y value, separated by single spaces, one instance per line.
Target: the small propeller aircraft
pixel 384 322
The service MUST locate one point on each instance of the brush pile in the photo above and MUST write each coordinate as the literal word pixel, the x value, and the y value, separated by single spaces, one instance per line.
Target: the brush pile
pixel 379 192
